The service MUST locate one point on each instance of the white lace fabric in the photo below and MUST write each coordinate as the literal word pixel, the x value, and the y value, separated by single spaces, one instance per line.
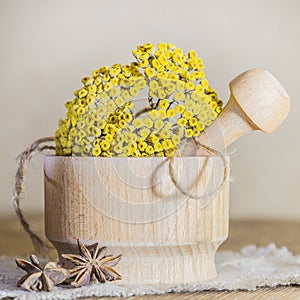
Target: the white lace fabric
pixel 250 268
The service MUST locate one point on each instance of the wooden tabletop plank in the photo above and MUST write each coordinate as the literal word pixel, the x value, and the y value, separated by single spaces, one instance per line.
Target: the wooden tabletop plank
pixel 14 242
pixel 280 293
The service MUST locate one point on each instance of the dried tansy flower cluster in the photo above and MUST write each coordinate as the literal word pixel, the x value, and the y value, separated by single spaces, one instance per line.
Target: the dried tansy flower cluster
pixel 102 119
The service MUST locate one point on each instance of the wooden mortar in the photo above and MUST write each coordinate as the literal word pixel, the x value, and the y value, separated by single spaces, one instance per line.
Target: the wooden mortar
pixel 132 206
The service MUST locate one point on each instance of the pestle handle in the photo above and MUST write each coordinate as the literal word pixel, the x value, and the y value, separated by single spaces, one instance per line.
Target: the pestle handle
pixel 257 102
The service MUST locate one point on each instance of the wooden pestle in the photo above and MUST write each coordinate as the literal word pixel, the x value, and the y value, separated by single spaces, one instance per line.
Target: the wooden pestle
pixel 257 102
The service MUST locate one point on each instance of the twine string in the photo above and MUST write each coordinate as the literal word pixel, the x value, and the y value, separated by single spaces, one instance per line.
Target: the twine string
pixel 23 159
pixel 207 195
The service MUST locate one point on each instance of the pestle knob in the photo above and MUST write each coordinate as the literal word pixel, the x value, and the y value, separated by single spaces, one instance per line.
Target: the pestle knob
pixel 257 102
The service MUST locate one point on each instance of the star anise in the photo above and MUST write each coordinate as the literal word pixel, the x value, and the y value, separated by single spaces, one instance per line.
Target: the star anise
pixel 92 265
pixel 39 278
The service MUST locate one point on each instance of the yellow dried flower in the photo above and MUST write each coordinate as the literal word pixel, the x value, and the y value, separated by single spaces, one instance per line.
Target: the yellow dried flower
pixel 137 123
pixel 100 120
pixel 148 122
pixel 171 113
pixel 149 149
pixel 162 46
pixel 180 109
pixel 192 54
pixel 82 93
pixel 158 147
pixel 96 151
pixel 142 146
pixel 164 103
pixel 182 121
pixel 158 124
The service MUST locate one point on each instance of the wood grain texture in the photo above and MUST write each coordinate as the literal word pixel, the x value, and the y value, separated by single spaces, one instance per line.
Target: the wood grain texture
pixel 280 293
pixel 14 242
pixel 262 98
pixel 131 206
pixel 257 102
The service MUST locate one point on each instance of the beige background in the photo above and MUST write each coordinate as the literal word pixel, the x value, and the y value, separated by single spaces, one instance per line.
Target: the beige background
pixel 48 46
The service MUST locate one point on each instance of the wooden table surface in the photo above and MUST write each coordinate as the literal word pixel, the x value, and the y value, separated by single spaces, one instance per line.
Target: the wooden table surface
pixel 14 242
